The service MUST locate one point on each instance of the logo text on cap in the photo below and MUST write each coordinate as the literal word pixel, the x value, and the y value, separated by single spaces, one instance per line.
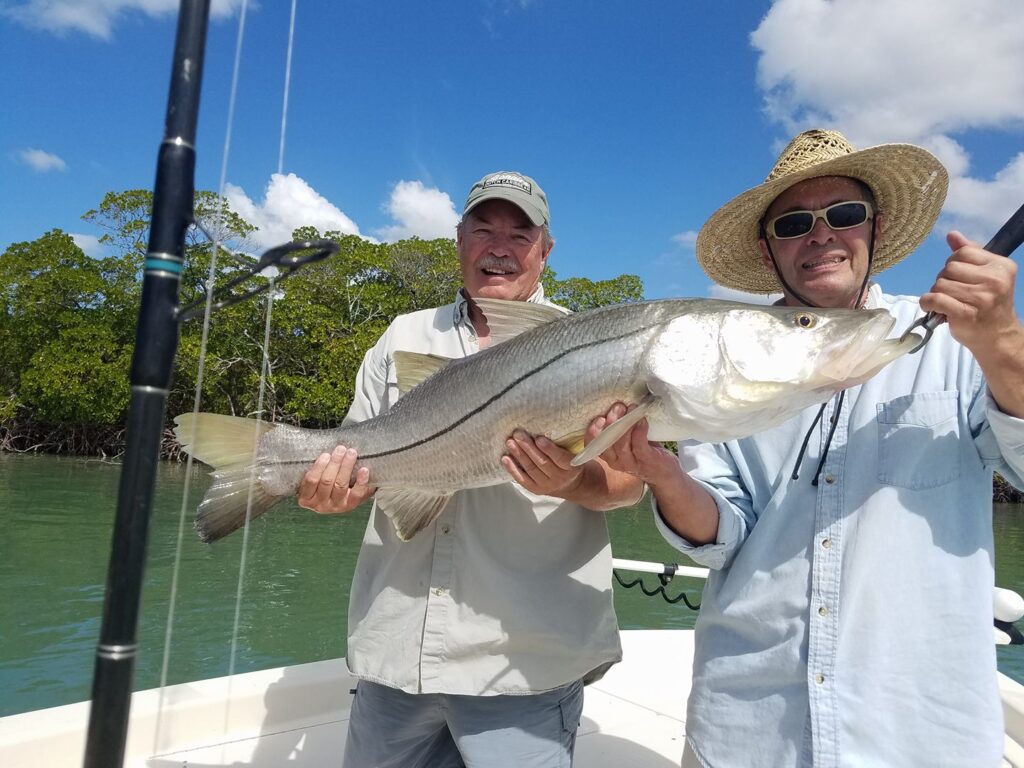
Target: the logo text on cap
pixel 509 180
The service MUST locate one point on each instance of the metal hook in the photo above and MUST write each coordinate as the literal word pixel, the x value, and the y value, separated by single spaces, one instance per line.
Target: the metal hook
pixel 289 258
pixel 929 322
pixel 1004 242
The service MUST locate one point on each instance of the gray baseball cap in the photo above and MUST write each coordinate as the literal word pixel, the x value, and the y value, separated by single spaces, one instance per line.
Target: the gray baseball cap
pixel 521 190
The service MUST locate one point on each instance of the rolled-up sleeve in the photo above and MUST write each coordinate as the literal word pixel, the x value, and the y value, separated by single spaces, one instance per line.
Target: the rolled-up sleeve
pixel 1007 435
pixel 713 469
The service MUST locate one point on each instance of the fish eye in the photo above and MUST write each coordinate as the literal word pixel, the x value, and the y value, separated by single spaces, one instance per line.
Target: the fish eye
pixel 805 320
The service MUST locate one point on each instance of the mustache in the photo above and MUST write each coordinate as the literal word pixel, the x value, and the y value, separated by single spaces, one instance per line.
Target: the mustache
pixel 499 265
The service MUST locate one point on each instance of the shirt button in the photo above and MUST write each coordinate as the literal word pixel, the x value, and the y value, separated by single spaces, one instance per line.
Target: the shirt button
pixel 823 611
pixel 819 678
pixel 826 543
pixel 446 529
pixel 830 478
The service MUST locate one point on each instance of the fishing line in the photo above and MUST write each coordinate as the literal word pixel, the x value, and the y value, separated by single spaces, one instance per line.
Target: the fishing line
pixel 204 339
pixel 287 83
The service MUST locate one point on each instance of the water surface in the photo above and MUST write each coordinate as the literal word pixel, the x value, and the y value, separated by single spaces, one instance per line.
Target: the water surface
pixel 57 515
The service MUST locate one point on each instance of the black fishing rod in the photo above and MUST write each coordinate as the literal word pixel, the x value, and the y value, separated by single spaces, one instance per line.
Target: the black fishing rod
pixel 1004 243
pixel 156 341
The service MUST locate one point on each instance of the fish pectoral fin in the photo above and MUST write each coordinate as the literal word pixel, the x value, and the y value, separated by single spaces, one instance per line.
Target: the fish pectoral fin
pixel 410 511
pixel 603 442
pixel 573 442
pixel 508 319
pixel 413 368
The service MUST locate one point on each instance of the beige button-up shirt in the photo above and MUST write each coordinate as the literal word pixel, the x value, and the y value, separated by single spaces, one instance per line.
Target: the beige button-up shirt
pixel 505 593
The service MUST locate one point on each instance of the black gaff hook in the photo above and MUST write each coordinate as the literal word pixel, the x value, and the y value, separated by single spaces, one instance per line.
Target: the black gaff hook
pixel 1005 242
pixel 289 258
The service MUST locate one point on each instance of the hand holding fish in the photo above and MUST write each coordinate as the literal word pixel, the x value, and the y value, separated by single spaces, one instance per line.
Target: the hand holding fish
pixel 975 292
pixel 634 454
pixel 540 466
pixel 684 505
pixel 545 468
pixel 330 487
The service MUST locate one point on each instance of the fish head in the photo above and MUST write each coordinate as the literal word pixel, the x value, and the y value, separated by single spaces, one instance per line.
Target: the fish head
pixel 729 369
pixel 807 349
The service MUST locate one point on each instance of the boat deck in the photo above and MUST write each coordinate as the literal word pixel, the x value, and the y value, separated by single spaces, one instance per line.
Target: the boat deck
pixel 298 716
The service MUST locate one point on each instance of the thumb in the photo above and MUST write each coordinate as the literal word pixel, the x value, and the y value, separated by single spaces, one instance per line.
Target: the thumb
pixel 956 240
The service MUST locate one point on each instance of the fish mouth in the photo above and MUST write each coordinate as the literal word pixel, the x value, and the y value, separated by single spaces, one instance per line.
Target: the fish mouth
pixel 870 350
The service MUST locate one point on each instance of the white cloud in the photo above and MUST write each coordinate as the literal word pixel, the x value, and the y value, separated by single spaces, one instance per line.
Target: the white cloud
pixel 419 211
pixel 90 244
pixel 687 239
pixel 899 70
pixel 288 203
pixel 887 70
pixel 42 161
pixel 96 17
pixel 730 294
pixel 978 208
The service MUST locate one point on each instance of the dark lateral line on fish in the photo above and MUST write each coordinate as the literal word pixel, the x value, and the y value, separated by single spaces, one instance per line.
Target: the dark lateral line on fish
pixel 477 410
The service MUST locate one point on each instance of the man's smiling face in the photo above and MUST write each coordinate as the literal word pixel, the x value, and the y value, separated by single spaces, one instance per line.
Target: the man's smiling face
pixel 501 252
pixel 826 266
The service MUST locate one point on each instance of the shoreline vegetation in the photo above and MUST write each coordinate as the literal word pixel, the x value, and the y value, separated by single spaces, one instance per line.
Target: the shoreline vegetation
pixel 67 327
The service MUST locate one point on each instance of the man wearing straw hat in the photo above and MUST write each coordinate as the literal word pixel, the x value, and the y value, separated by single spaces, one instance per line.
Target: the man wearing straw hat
pixel 847 619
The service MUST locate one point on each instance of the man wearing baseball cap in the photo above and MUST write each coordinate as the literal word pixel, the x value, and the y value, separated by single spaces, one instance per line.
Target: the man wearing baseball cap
pixel 847 620
pixel 473 639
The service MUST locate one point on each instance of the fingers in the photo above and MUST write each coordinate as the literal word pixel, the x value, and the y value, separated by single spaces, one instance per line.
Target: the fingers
pixel 538 464
pixel 331 486
pixel 975 292
pixel 625 453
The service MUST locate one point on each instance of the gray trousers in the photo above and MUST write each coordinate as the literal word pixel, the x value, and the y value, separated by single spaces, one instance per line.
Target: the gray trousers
pixel 391 729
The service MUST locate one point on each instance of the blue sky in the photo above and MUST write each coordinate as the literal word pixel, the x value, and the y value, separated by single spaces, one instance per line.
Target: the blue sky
pixel 639 119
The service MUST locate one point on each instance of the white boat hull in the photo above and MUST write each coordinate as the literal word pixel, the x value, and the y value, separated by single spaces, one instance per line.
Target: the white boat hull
pixel 298 716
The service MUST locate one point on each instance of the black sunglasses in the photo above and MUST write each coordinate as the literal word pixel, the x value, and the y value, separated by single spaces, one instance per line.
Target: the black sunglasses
pixel 845 215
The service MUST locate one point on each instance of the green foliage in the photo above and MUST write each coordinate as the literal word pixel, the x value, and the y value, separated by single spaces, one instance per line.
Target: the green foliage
pixel 580 293
pixel 80 378
pixel 65 318
pixel 67 321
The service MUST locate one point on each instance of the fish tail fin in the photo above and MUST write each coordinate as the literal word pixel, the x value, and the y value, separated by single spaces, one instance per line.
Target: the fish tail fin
pixel 225 508
pixel 225 443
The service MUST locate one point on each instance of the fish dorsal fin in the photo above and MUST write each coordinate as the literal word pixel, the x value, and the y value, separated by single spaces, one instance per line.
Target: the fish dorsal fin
pixel 412 368
pixel 508 319
pixel 409 510
pixel 604 441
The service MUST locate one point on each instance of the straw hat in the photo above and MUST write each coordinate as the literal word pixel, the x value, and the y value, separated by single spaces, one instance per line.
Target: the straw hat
pixel 908 182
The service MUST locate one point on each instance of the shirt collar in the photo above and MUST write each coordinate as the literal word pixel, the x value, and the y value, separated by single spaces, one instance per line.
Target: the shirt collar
pixel 460 313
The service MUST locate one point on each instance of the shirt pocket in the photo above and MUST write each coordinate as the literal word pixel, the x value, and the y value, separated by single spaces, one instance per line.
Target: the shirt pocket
pixel 919 440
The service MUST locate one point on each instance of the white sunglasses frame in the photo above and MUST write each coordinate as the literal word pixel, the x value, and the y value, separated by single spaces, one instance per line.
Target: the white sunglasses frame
pixel 819 213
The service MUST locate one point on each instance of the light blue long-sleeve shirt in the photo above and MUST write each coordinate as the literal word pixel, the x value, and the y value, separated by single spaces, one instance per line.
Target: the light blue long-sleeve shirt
pixel 851 624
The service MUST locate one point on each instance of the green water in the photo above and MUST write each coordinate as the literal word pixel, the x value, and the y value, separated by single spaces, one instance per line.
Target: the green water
pixel 56 515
